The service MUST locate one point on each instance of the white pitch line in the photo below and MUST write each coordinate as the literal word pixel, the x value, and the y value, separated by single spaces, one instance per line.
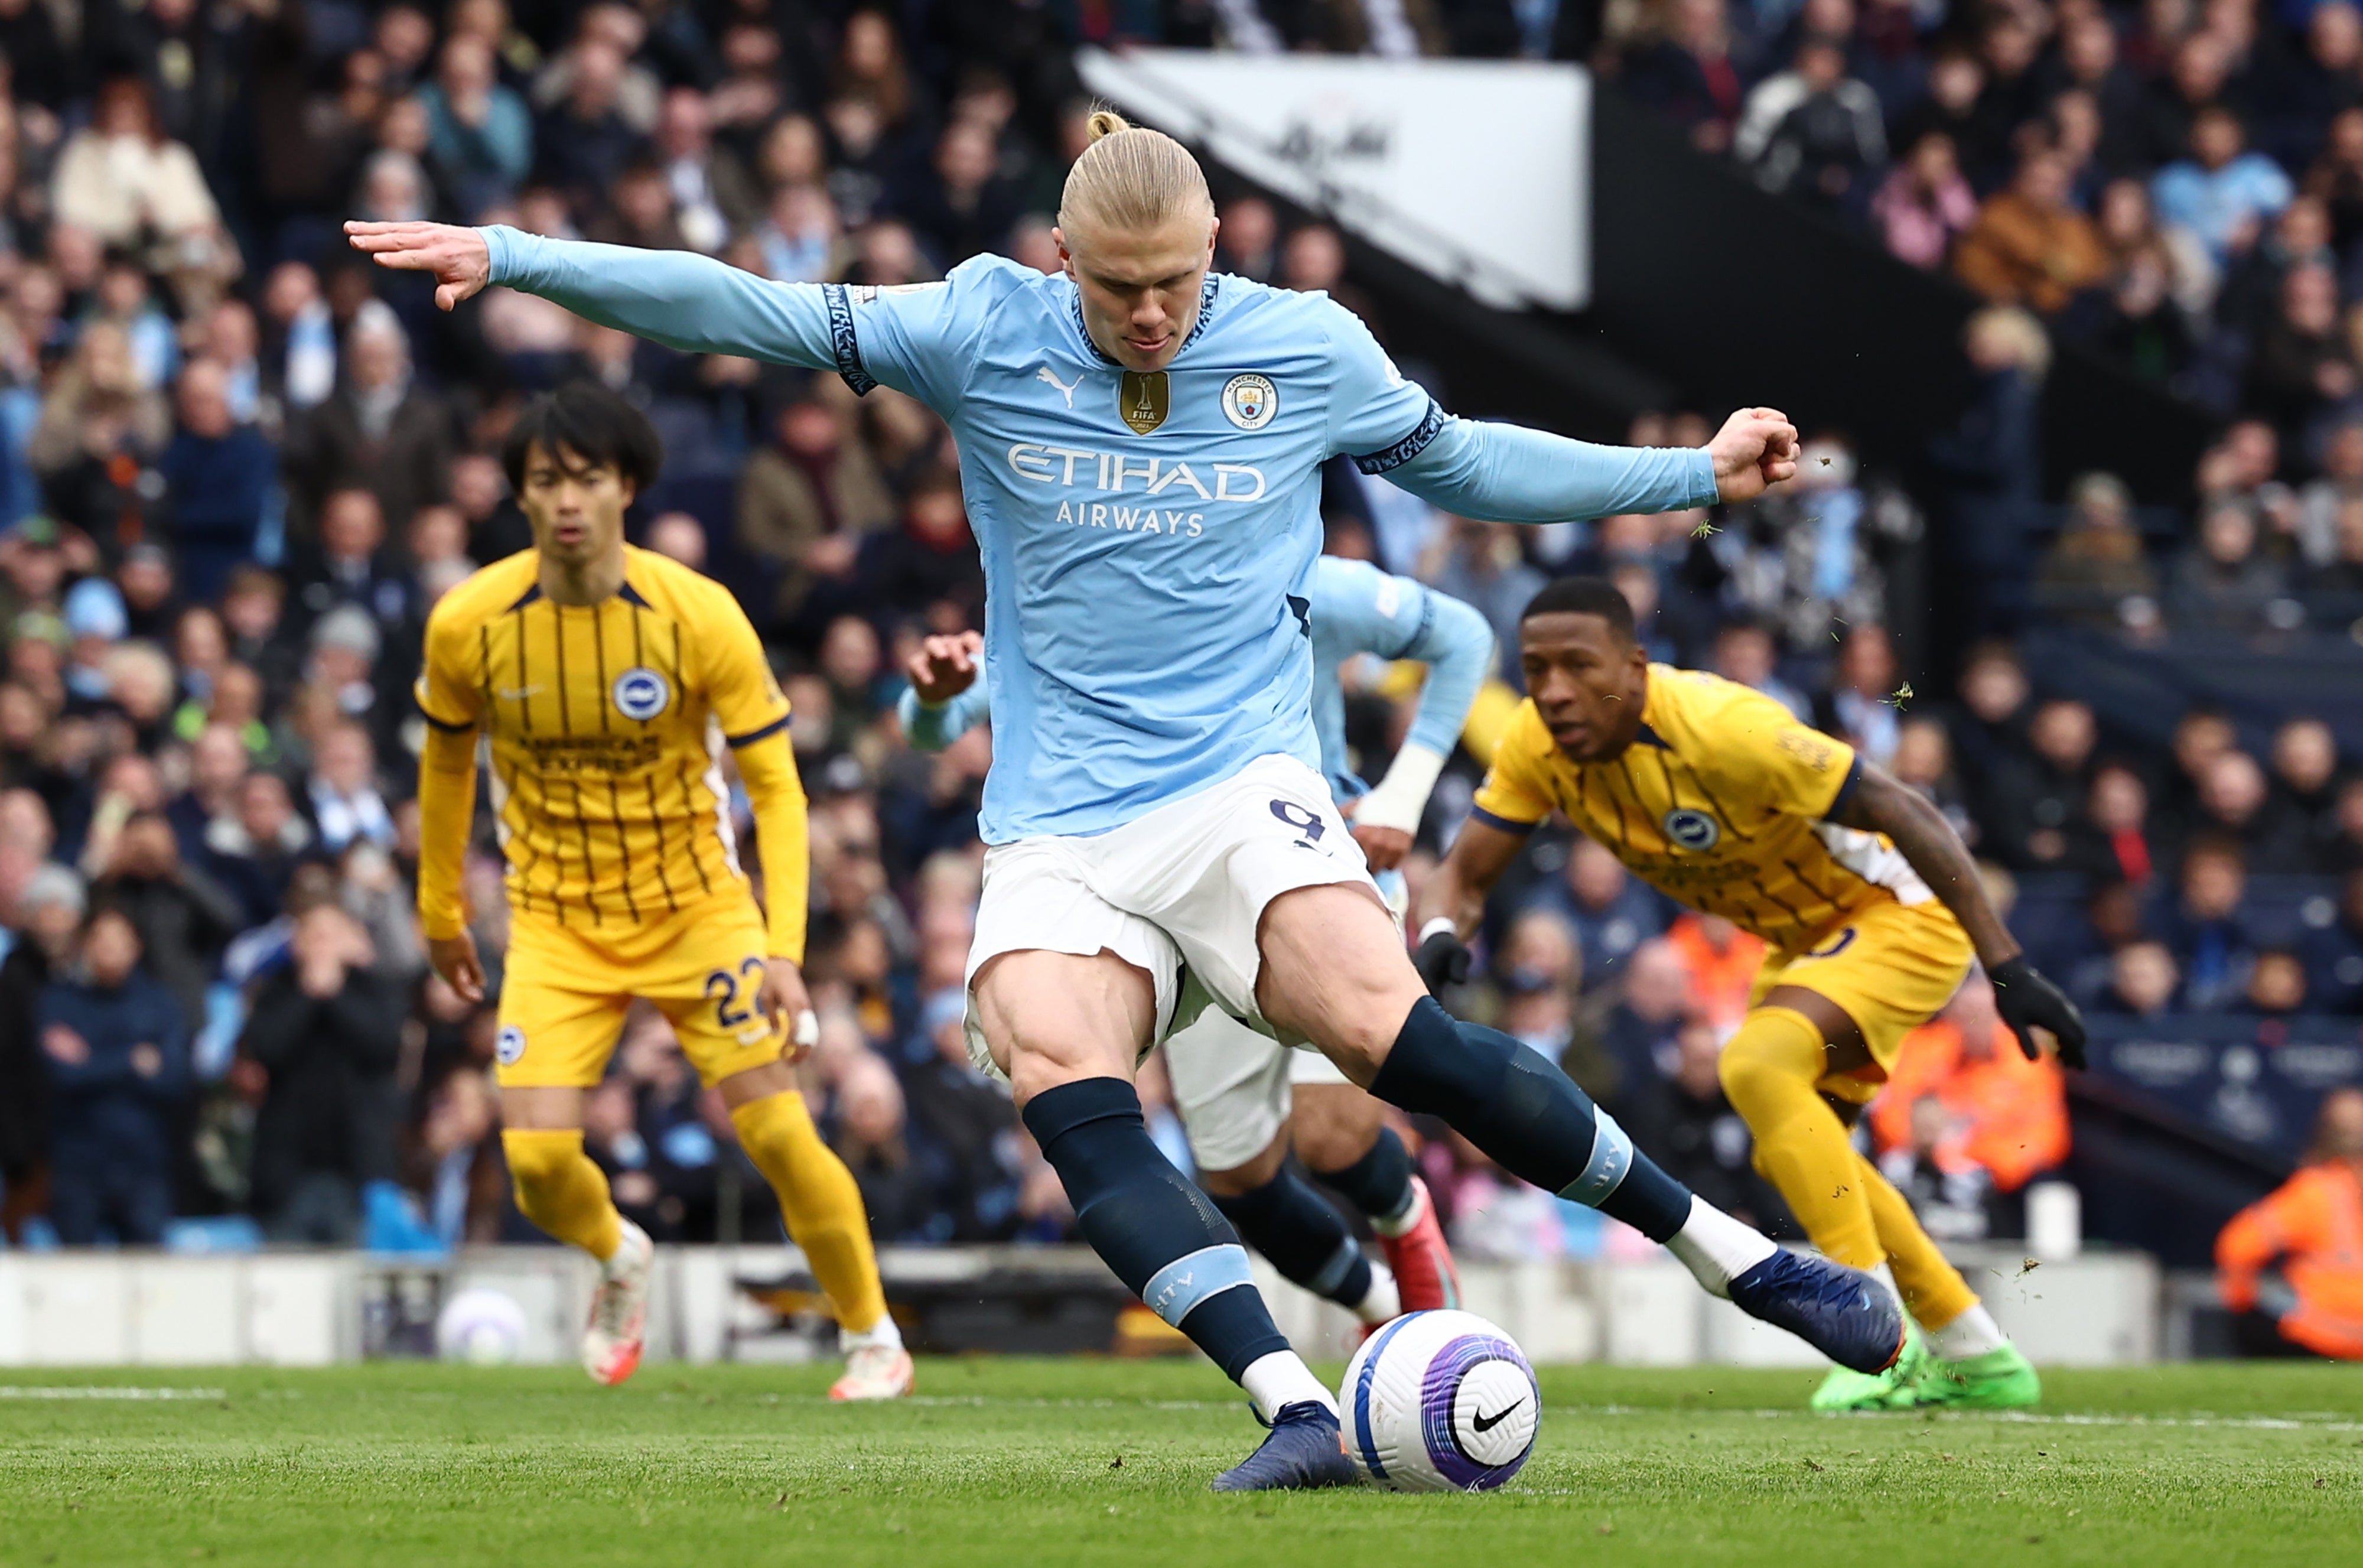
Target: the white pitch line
pixel 107 1391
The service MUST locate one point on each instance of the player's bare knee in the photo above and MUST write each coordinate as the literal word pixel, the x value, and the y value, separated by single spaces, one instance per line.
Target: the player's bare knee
pixel 1257 1172
pixel 1335 1126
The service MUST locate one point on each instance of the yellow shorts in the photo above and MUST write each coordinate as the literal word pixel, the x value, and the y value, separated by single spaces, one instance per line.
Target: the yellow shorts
pixel 1893 967
pixel 566 989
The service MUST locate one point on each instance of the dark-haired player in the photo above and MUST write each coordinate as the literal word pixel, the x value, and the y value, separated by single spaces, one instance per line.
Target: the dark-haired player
pixel 606 681
pixel 1871 907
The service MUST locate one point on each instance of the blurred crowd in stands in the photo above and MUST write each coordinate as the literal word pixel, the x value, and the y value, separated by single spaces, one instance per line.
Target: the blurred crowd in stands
pixel 237 466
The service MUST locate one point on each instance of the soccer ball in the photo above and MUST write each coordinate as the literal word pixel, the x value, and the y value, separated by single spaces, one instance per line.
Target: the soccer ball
pixel 480 1324
pixel 1440 1402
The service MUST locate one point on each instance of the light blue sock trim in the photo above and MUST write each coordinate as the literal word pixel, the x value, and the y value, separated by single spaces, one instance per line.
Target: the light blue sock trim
pixel 1333 1273
pixel 1174 1291
pixel 1611 1156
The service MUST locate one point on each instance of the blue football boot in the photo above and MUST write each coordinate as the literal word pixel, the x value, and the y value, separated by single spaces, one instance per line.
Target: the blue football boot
pixel 1305 1450
pixel 1841 1312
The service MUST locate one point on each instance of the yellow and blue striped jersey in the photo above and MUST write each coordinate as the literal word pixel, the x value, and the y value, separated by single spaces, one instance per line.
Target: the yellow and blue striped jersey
pixel 1722 803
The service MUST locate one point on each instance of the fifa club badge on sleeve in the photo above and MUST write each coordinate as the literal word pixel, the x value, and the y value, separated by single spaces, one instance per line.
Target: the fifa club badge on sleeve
pixel 1141 397
pixel 1250 401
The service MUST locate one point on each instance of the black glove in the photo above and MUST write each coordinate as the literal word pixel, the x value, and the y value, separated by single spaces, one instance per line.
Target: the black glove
pixel 1441 958
pixel 2027 1001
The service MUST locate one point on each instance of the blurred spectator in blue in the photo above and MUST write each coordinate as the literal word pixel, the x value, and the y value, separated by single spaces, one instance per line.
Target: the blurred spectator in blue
pixel 1637 1033
pixel 1484 567
pixel 2142 977
pixel 1863 706
pixel 344 792
pixel 118 1049
pixel 218 474
pixel 1745 652
pixel 183 916
pixel 2205 924
pixel 1612 912
pixel 42 927
pixel 321 1044
pixel 2334 953
pixel 2222 193
pixel 2224 582
pixel 480 132
pixel 252 848
pixel 1992 463
pixel 583 142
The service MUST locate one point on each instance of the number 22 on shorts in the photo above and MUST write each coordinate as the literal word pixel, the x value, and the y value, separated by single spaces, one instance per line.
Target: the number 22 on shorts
pixel 723 986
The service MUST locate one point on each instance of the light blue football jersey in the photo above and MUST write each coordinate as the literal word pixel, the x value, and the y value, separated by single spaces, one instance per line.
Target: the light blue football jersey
pixel 1148 541
pixel 1357 608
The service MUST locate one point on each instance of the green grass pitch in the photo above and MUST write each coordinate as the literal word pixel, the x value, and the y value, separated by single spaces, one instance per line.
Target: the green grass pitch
pixel 1094 1461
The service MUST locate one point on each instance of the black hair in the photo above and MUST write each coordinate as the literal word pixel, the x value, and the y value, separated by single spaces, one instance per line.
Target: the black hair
pixel 592 422
pixel 1585 596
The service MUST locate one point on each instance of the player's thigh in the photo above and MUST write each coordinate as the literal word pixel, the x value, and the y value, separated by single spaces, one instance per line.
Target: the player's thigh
pixel 1885 974
pixel 1335 972
pixel 553 1044
pixel 1230 1085
pixel 1062 984
pixel 1207 869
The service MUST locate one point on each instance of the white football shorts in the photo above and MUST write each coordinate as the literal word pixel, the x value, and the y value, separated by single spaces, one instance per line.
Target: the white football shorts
pixel 1182 885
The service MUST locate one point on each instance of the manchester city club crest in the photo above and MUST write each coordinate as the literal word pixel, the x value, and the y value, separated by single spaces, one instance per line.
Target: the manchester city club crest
pixel 1691 831
pixel 641 693
pixel 1250 401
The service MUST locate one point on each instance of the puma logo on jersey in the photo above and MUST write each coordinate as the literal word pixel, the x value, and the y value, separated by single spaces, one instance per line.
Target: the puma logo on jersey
pixel 1065 389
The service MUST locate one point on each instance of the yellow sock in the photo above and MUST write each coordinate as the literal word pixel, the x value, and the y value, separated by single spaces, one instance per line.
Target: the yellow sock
pixel 561 1190
pixel 1769 1070
pixel 820 1201
pixel 1933 1289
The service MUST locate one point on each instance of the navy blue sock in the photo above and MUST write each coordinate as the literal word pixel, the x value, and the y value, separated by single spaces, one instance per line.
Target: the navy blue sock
pixel 1529 1117
pixel 1305 1239
pixel 1149 1223
pixel 1378 1183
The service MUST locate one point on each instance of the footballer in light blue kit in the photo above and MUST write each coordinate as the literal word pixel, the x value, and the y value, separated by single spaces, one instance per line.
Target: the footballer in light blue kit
pixel 1140 444
pixel 1236 1089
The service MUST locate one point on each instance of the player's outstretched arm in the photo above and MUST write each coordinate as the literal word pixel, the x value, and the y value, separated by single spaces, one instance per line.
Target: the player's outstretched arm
pixel 943 701
pixel 1507 473
pixel 678 298
pixel 1879 803
pixel 1453 900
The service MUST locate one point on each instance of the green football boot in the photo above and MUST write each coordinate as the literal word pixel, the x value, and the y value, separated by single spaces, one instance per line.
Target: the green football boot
pixel 1894 1389
pixel 1998 1380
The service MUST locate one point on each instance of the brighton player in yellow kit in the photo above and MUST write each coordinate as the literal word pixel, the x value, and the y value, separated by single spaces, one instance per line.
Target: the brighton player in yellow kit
pixel 604 683
pixel 1872 909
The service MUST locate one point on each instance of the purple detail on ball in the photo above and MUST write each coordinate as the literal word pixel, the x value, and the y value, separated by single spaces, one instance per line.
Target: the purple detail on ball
pixel 1436 1393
